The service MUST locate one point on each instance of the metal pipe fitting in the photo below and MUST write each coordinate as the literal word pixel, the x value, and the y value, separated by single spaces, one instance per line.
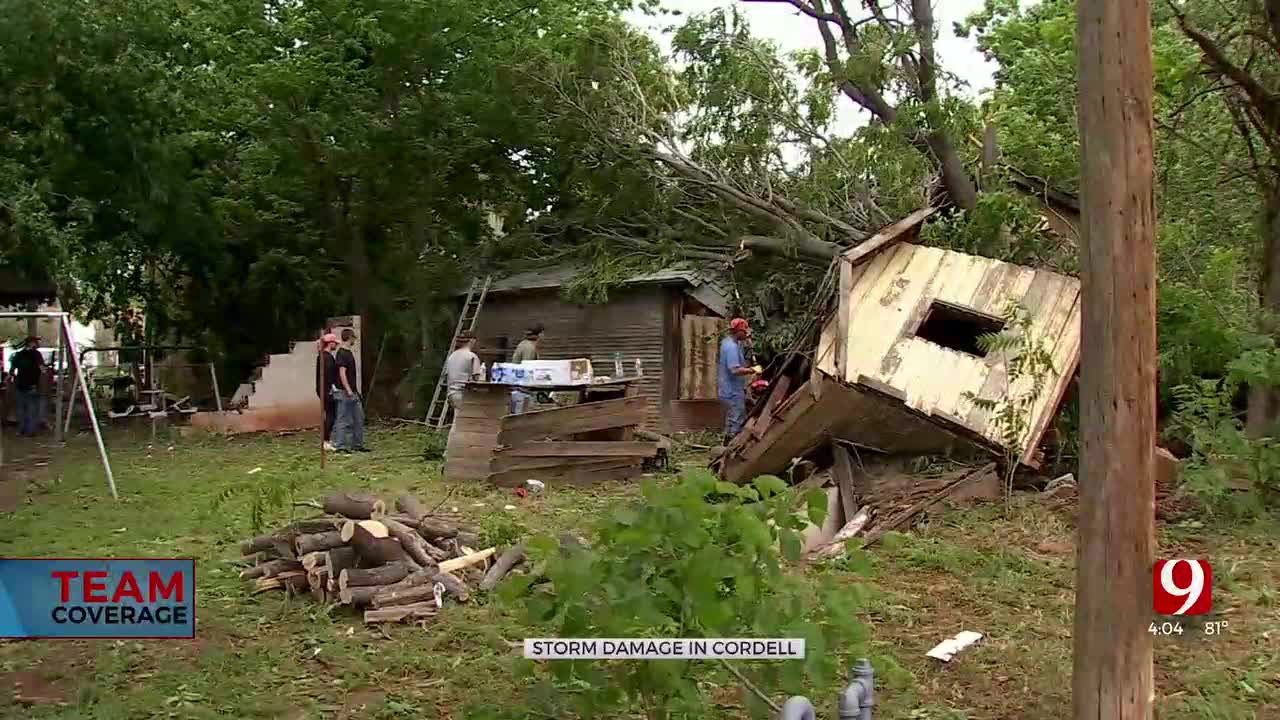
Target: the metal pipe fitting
pixel 798 707
pixel 858 698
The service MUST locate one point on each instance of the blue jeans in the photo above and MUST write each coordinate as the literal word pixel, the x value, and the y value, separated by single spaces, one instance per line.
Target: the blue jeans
pixel 348 429
pixel 29 411
pixel 520 402
pixel 735 413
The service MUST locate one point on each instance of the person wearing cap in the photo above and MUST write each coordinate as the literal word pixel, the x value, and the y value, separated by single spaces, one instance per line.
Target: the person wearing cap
pixel 732 374
pixel 327 384
pixel 348 430
pixel 26 366
pixel 461 367
pixel 529 349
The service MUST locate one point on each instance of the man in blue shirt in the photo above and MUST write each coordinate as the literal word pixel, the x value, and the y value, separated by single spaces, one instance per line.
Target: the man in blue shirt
pixel 732 374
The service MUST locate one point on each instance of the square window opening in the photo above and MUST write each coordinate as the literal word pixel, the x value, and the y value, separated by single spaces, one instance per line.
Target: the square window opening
pixel 957 328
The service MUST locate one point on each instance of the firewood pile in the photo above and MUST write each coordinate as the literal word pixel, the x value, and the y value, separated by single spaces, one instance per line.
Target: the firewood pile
pixel 393 566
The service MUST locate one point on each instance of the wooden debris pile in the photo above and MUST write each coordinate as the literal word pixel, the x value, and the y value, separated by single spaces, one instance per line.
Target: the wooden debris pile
pixel 392 566
pixel 868 501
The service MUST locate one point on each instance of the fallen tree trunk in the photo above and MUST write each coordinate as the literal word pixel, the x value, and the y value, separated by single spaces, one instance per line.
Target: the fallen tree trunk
pixel 313 542
pixel 381 575
pixel 355 506
pixel 419 611
pixel 466 560
pixel 437 553
pixel 372 542
pixel 411 542
pixel 513 556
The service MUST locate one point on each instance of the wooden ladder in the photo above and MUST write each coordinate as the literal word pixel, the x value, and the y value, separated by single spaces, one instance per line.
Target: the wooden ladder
pixel 438 414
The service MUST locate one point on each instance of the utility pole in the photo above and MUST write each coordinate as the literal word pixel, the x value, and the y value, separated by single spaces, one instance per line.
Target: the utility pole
pixel 1112 675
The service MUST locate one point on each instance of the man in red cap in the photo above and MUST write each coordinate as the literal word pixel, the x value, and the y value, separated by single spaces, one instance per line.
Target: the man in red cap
pixel 732 375
pixel 326 383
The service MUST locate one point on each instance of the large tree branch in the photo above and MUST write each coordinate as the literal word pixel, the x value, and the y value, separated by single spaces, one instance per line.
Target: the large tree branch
pixel 1262 99
pixel 804 7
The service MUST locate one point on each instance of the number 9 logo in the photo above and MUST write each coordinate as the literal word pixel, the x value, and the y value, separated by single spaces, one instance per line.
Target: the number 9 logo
pixel 1180 591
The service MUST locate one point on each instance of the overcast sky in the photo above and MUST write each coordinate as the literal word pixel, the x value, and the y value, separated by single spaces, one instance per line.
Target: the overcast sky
pixel 791 31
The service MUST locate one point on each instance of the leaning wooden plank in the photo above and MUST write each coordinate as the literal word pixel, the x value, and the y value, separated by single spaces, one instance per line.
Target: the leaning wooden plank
pixel 537 465
pixel 887 236
pixel 420 611
pixel 843 471
pixel 581 418
pixel 776 396
pixel 570 447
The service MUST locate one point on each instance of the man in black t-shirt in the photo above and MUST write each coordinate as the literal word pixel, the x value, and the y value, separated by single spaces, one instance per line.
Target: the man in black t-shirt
pixel 326 381
pixel 348 432
pixel 27 365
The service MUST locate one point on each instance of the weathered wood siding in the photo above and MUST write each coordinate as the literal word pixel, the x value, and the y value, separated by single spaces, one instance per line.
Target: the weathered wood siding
pixel 631 323
pixel 700 351
pixel 888 299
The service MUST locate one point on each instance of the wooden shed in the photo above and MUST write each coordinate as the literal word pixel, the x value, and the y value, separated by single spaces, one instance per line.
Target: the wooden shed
pixel 897 360
pixel 670 320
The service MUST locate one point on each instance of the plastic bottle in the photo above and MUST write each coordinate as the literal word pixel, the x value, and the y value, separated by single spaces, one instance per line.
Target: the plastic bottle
pixel 484 373
pixel 617 365
pixel 639 368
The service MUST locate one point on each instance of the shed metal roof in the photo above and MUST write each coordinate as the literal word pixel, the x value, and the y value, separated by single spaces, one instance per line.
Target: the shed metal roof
pixel 708 287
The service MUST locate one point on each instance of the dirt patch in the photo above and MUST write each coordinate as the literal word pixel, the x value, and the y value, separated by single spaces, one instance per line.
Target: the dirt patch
pixel 363 703
pixel 30 687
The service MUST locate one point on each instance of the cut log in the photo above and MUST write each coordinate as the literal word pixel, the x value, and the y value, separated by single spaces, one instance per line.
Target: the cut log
pixel 466 560
pixel 358 596
pixel 293 580
pixel 411 506
pixel 465 537
pixel 272 568
pixel 373 543
pixel 511 557
pixel 339 559
pixel 437 553
pixel 355 506
pixel 400 613
pixel 381 575
pixel 472 575
pixel 411 542
pixel 431 528
pixel 313 542
pixel 314 560
pixel 393 595
pixel 268 542
pixel 318 579
pixel 453 586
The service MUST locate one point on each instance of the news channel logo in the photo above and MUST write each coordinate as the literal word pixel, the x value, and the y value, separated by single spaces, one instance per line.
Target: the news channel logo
pixel 98 598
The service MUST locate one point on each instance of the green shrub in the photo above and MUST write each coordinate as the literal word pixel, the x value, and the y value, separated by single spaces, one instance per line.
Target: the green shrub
pixel 700 559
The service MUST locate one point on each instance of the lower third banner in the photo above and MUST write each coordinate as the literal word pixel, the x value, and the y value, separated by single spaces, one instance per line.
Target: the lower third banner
pixel 98 598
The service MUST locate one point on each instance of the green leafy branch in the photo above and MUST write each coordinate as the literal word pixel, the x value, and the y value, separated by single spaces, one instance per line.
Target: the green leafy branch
pixel 1024 356
pixel 699 559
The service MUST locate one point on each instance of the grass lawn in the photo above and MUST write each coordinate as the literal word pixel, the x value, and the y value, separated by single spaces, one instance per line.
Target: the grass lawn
pixel 1009 575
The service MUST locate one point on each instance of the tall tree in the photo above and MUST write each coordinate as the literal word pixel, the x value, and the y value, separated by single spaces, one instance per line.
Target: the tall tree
pixel 874 55
pixel 1240 48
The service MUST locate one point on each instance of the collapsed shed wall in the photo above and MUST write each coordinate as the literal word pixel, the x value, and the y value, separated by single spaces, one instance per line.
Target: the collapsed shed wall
pixel 886 302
